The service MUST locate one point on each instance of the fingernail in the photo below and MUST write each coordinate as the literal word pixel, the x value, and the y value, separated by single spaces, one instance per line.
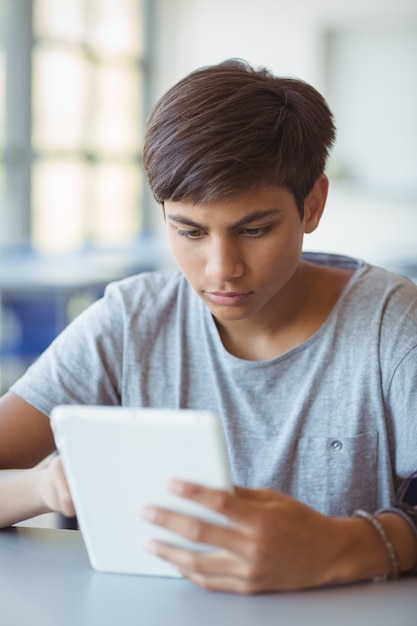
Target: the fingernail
pixel 150 546
pixel 176 486
pixel 148 513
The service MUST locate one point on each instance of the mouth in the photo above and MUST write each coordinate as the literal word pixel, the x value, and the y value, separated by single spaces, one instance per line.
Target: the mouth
pixel 227 298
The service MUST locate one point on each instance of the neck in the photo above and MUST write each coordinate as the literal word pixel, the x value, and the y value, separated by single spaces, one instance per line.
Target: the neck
pixel 291 319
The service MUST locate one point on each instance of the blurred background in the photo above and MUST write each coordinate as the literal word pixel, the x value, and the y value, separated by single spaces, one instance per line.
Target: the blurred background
pixel 77 80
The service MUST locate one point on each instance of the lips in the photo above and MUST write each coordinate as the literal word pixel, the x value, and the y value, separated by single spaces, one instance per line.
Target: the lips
pixel 227 298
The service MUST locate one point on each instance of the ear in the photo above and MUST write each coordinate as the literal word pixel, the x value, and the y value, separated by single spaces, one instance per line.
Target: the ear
pixel 314 204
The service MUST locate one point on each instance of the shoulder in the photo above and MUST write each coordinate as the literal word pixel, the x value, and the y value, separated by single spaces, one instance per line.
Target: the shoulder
pixel 384 305
pixel 148 290
pixel 336 261
pixel 146 298
pixel 383 295
pixel 397 292
pixel 375 302
pixel 151 282
pixel 376 280
pixel 149 300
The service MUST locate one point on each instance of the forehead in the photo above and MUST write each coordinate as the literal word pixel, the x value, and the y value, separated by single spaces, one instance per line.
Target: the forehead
pixel 258 200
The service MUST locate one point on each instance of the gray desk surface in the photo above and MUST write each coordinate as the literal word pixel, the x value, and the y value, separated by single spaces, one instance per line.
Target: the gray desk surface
pixel 46 579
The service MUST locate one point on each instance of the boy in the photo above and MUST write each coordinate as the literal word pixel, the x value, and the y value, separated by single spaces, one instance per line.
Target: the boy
pixel 310 360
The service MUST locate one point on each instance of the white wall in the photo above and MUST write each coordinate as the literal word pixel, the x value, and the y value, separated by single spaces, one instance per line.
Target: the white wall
pixel 284 35
pixel 288 37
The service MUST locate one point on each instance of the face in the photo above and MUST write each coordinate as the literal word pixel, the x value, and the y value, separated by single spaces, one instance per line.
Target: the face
pixel 242 255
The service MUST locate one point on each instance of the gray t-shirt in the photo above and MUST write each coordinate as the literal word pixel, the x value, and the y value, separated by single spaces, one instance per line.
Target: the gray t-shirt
pixel 332 421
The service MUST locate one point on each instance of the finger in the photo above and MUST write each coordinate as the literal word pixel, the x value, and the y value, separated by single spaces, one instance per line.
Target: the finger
pixel 194 529
pixel 229 584
pixel 205 563
pixel 231 505
pixel 217 570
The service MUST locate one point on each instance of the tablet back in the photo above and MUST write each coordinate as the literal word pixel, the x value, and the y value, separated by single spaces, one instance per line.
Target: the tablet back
pixel 117 459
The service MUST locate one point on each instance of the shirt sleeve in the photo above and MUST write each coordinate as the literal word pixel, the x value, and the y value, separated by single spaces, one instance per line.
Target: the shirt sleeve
pixel 402 407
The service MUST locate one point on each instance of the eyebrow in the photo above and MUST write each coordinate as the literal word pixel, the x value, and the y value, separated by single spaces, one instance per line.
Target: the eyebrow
pixel 252 217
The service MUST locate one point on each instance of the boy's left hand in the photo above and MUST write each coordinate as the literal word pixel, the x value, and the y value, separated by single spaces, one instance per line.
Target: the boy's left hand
pixel 273 542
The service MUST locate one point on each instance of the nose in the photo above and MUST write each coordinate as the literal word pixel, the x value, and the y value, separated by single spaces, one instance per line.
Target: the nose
pixel 224 260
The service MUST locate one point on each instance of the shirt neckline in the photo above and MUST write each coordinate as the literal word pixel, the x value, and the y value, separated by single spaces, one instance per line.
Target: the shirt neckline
pixel 342 262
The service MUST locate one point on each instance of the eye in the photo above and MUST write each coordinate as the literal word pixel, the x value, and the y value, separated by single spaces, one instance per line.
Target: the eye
pixel 190 234
pixel 256 232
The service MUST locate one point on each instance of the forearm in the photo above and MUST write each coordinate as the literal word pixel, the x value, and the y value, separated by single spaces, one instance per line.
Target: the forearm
pixel 360 552
pixel 20 495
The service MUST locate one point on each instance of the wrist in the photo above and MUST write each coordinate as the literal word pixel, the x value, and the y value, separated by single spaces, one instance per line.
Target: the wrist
pixel 20 496
pixel 403 537
pixel 39 490
pixel 360 553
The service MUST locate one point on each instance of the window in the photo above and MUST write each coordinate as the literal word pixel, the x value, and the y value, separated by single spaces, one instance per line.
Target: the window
pixel 2 112
pixel 72 149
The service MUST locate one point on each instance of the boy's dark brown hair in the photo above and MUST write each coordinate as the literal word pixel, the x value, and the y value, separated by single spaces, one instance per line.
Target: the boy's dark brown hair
pixel 226 128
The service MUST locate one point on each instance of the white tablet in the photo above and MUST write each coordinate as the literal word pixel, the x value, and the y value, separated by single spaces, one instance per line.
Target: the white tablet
pixel 117 459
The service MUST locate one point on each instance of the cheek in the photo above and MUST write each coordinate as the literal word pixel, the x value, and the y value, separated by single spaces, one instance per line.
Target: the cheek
pixel 281 258
pixel 187 261
pixel 175 246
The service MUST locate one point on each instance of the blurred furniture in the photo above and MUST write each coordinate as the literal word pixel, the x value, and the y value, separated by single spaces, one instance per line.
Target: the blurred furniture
pixel 40 295
pixel 407 269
